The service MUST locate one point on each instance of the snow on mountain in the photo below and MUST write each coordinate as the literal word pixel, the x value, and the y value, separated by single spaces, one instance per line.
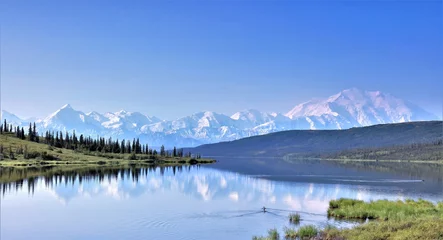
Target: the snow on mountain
pixel 12 119
pixel 353 108
pixel 349 108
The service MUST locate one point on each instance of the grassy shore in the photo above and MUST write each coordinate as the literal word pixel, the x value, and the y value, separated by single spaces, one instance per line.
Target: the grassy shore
pixel 391 220
pixel 46 156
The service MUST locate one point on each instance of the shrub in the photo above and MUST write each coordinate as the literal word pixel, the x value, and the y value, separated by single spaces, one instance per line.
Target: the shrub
pixel 32 155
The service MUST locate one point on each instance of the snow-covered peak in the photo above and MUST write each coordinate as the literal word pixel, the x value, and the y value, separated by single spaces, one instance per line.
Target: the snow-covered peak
pixel 360 108
pixel 11 118
pixel 349 108
pixel 66 106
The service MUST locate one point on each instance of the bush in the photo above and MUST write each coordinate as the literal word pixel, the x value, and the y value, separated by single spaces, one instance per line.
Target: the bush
pixel 32 155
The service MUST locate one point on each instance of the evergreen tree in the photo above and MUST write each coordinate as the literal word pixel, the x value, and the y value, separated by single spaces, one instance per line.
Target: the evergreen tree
pixel 1 129
pixel 23 134
pixel 137 145
pixel 81 140
pixel 30 137
pixel 174 153
pixel 122 147
pixel 128 147
pixel 162 151
pixel 5 125
pixel 34 132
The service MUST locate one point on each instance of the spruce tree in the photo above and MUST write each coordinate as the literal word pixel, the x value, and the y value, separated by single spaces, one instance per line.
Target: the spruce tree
pixel 30 137
pixel 34 132
pixel 162 151
pixel 122 147
pixel 5 125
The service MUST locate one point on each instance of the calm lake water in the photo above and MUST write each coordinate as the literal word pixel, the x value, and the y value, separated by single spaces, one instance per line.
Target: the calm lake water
pixel 191 202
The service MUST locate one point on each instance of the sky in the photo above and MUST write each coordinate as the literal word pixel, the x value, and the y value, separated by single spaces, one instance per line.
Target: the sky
pixel 173 58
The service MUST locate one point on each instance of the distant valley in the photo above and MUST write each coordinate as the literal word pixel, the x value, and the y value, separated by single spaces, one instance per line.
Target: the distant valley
pixel 347 109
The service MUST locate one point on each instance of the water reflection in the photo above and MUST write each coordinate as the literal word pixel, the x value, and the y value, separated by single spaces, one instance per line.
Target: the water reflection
pixel 200 183
pixel 165 203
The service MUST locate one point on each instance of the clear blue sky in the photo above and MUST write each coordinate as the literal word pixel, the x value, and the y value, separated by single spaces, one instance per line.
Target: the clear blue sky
pixel 174 58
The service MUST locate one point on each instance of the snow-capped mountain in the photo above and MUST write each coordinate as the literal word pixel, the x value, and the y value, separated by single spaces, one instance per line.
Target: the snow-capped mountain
pixel 349 108
pixel 353 107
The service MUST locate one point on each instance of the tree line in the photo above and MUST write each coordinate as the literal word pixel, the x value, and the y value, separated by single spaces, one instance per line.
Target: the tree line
pixel 86 143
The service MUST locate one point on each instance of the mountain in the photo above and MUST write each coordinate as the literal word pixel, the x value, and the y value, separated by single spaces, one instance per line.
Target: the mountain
pixel 310 142
pixel 353 108
pixel 347 109
pixel 13 119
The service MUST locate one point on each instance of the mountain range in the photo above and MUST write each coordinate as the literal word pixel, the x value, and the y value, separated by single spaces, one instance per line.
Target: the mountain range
pixel 347 109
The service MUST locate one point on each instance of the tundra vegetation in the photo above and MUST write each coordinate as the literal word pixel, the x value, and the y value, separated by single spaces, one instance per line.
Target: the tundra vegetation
pixel 387 220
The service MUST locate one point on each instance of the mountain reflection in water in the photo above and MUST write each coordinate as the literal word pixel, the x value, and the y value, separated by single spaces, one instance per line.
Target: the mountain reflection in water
pixel 166 203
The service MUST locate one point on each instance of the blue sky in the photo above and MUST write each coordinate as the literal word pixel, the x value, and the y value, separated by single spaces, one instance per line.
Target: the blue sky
pixel 174 58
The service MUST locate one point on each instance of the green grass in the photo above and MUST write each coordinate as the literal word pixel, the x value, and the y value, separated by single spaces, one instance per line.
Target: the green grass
pixel 382 209
pixel 294 218
pixel 290 233
pixel 272 235
pixel 307 232
pixel 426 228
pixel 393 220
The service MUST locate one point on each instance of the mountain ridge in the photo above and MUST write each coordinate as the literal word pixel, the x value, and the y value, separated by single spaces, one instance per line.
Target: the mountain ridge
pixel 346 109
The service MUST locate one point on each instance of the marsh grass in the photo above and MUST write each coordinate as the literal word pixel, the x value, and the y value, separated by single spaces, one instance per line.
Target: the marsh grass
pixel 272 235
pixel 294 218
pixel 397 220
pixel 307 232
pixel 383 209
pixel 422 228
pixel 290 233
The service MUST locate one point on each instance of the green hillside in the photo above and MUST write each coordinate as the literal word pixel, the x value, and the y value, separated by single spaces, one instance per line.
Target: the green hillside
pixel 327 143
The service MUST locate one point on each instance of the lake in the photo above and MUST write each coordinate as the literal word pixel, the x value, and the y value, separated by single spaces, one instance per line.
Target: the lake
pixel 198 202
